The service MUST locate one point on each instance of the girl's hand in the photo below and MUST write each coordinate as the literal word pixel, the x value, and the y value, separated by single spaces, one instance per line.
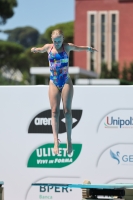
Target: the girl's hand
pixel 91 49
pixel 33 50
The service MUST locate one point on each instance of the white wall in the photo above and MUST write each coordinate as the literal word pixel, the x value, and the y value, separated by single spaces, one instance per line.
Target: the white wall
pixel 103 152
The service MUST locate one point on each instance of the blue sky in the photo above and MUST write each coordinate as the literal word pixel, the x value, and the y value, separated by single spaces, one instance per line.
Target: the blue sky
pixel 40 14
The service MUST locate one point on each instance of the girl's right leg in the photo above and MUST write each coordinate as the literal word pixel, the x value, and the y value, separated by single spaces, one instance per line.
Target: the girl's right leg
pixel 55 97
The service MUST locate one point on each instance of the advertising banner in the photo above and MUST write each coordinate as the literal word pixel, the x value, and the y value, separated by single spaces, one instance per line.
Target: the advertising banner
pixel 102 137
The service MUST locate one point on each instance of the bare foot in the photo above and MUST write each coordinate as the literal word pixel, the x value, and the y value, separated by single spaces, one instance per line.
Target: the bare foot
pixel 69 147
pixel 56 147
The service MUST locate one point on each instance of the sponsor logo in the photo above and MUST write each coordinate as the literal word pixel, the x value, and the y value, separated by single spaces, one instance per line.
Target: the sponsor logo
pixel 54 189
pixel 119 119
pixel 116 155
pixel 43 156
pixel 125 159
pixel 41 123
pixel 112 122
pixel 49 189
pixel 54 192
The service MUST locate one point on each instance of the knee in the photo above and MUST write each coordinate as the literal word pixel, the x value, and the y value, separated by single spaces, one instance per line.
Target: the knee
pixel 67 112
pixel 55 112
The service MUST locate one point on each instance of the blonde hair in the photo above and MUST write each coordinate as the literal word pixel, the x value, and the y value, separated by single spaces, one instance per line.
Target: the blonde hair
pixel 57 32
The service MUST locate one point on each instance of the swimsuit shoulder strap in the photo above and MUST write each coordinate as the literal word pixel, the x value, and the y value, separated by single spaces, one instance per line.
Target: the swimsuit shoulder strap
pixel 51 49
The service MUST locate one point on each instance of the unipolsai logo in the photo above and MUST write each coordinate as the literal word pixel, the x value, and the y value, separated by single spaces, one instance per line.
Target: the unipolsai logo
pixel 117 155
pixel 41 123
pixel 119 119
pixel 43 156
pixel 112 122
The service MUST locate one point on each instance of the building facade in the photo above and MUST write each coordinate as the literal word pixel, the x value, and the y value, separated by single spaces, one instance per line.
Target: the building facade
pixel 106 25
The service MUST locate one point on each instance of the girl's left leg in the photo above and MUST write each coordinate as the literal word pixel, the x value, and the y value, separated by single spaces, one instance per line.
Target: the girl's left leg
pixel 67 95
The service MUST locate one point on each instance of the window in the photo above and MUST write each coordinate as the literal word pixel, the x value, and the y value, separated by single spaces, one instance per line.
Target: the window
pixel 102 37
pixel 113 39
pixel 103 34
pixel 92 39
pixel 102 42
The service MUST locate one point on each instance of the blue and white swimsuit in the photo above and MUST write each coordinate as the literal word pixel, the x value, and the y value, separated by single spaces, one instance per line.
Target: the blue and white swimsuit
pixel 59 68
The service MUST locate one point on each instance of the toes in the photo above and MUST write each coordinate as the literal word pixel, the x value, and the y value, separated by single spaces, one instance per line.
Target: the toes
pixel 56 151
pixel 69 148
pixel 69 151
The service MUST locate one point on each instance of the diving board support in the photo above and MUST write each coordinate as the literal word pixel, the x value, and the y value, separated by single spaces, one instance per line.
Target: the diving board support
pixel 1 190
pixel 126 194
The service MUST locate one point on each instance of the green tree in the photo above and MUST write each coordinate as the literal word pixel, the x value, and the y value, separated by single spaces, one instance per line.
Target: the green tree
pixel 130 70
pixel 9 53
pixel 37 59
pixel 26 36
pixel 114 73
pixel 6 9
pixel 23 62
pixel 42 40
pixel 104 71
pixel 124 72
pixel 12 57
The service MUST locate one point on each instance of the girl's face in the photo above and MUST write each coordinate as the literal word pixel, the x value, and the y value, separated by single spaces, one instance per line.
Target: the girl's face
pixel 57 41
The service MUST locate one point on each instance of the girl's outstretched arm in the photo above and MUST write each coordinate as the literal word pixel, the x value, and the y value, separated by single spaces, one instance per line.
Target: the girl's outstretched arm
pixel 73 47
pixel 41 49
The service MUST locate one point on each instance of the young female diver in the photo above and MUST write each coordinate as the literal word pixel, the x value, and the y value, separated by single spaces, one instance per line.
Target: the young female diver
pixel 60 85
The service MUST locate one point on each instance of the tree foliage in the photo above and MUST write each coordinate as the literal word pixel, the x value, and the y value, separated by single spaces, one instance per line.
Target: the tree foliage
pixel 6 9
pixel 26 36
pixel 124 72
pixel 42 40
pixel 104 71
pixel 13 56
pixel 37 59
pixel 130 71
pixel 113 73
pixel 9 53
pixel 23 62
